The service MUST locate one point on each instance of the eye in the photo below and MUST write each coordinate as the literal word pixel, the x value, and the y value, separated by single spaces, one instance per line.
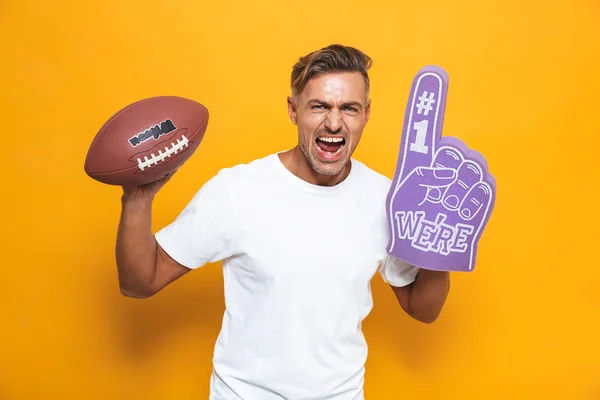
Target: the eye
pixel 317 107
pixel 352 109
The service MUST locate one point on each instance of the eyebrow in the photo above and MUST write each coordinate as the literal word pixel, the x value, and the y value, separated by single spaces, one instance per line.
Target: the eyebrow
pixel 324 103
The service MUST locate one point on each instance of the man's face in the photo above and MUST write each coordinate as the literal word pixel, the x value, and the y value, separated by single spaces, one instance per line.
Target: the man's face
pixel 331 114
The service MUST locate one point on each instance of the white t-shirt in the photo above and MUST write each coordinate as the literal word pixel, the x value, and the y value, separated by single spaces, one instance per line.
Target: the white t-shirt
pixel 297 264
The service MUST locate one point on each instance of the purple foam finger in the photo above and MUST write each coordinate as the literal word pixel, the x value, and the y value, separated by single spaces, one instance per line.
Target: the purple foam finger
pixel 442 194
pixel 469 174
pixel 477 157
pixel 445 157
pixel 456 144
pixel 423 120
pixel 476 200
pixel 421 131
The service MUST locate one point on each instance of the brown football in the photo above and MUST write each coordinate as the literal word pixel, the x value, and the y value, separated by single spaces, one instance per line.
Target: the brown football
pixel 146 140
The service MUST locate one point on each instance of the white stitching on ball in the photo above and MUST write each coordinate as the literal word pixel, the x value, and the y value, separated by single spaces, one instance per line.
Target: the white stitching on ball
pixel 154 160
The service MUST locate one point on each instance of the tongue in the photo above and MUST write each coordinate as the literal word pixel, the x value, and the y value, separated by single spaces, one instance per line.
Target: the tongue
pixel 330 147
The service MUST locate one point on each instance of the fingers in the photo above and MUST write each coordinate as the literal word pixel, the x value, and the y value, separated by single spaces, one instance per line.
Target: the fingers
pixel 446 157
pixel 472 189
pixel 469 174
pixel 433 178
pixel 423 180
pixel 436 177
pixel 478 197
pixel 423 120
pixel 168 175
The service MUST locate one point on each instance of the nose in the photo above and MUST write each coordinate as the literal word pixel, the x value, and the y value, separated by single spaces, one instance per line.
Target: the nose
pixel 333 122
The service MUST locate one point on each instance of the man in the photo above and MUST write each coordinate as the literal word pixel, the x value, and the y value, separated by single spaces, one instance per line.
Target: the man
pixel 301 233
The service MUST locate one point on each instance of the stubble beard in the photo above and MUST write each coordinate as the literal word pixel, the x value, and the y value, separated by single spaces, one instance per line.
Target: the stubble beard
pixel 320 167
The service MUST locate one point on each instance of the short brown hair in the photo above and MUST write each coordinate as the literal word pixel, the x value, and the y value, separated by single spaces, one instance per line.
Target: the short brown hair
pixel 333 58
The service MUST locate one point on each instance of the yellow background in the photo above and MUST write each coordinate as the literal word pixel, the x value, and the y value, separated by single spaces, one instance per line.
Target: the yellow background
pixel 524 83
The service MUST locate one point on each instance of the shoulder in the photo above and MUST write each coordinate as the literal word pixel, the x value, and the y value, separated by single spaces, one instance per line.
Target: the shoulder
pixel 244 177
pixel 371 190
pixel 235 180
pixel 370 178
pixel 257 168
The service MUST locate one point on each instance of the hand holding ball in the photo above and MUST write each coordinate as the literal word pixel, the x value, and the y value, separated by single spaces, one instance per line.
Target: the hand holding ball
pixel 146 141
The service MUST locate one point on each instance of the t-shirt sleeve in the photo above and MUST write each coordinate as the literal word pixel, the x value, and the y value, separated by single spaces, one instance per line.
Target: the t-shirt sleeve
pixel 397 272
pixel 204 230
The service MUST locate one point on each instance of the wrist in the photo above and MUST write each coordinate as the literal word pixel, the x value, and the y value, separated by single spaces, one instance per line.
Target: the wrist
pixel 136 199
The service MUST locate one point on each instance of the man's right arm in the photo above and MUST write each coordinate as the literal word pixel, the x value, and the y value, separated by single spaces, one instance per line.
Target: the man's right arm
pixel 144 268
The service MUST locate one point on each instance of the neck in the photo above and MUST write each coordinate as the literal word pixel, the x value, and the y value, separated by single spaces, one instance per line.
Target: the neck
pixel 295 161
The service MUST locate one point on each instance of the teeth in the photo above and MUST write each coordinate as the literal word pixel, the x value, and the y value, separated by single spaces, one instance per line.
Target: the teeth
pixel 331 139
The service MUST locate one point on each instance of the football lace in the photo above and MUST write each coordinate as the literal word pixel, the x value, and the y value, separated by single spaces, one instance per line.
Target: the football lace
pixel 148 162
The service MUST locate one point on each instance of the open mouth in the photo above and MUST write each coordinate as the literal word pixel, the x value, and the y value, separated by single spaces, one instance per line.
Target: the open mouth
pixel 330 147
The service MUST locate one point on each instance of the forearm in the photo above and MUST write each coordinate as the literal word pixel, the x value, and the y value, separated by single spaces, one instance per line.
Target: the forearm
pixel 428 294
pixel 136 247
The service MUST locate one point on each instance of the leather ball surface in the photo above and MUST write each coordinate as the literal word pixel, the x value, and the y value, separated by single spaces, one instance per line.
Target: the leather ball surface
pixel 146 140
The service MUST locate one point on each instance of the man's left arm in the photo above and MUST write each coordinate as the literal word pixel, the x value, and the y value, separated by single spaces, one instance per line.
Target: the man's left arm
pixel 424 298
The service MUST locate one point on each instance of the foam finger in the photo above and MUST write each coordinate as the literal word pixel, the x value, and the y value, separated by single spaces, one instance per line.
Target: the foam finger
pixel 469 174
pixel 445 157
pixel 423 120
pixel 478 197
pixel 478 157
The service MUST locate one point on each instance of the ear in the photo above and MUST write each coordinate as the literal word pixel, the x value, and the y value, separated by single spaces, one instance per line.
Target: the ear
pixel 292 110
pixel 368 111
